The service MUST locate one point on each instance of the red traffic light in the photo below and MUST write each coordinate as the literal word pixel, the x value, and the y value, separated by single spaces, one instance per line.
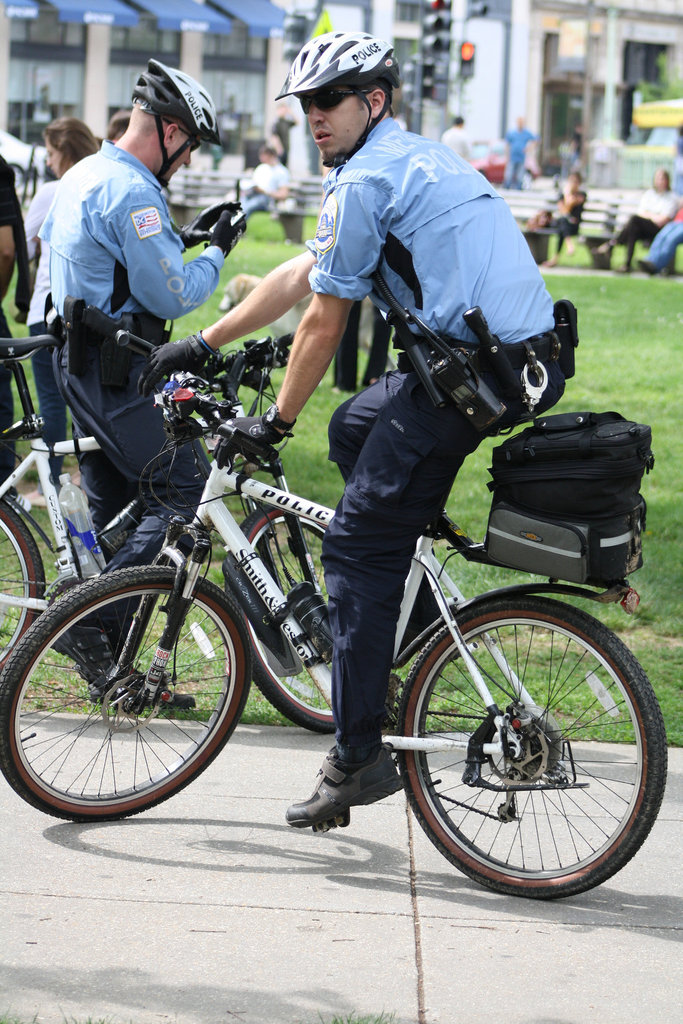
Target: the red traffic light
pixel 466 52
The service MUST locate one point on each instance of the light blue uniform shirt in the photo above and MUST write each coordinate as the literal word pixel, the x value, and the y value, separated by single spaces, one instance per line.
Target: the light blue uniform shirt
pixel 110 208
pixel 403 202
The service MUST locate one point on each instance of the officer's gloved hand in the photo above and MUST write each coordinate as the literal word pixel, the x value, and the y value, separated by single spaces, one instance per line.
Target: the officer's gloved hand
pixel 253 435
pixel 199 229
pixel 229 229
pixel 188 354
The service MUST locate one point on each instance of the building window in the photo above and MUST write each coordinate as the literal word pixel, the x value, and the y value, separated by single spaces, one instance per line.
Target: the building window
pixel 146 37
pixel 405 11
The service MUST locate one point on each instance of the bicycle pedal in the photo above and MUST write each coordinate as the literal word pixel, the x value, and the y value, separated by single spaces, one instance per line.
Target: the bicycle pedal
pixel 340 821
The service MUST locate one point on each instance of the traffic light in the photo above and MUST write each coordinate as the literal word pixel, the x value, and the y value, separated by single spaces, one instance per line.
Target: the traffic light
pixel 436 28
pixel 467 53
pixel 436 46
pixel 295 32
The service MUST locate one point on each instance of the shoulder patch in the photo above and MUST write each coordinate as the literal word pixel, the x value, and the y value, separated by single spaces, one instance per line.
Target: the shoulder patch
pixel 325 235
pixel 147 222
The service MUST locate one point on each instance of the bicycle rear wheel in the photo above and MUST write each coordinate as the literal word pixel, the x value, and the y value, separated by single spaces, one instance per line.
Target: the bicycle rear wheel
pixel 21 576
pixel 592 771
pixel 79 756
pixel 291 691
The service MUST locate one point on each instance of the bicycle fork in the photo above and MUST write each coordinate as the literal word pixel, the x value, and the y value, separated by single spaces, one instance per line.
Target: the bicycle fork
pixel 180 600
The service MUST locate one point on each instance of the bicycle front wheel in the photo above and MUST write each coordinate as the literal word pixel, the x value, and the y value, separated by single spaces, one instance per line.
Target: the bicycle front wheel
pixel 80 748
pixel 574 804
pixel 22 576
pixel 290 558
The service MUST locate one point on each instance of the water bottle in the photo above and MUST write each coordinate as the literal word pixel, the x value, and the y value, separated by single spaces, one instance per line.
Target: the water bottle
pixel 119 529
pixel 74 506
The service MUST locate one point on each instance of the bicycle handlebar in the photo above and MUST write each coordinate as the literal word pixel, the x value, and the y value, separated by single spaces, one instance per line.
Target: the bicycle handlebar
pixel 127 340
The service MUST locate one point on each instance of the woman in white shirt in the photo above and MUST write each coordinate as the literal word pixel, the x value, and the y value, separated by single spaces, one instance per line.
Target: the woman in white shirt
pixel 657 206
pixel 67 141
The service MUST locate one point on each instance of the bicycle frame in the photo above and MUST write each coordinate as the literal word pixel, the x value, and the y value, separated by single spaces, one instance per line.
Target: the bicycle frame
pixel 213 514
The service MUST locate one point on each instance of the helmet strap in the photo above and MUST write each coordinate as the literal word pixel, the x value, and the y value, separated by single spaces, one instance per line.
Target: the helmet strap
pixel 167 161
pixel 341 158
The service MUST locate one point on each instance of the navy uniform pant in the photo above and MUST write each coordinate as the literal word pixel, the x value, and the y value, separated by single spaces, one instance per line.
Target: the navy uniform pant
pixel 398 455
pixel 129 430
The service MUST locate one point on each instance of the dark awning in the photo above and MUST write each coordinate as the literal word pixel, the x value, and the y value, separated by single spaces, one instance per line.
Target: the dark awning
pixel 186 16
pixel 260 15
pixel 95 12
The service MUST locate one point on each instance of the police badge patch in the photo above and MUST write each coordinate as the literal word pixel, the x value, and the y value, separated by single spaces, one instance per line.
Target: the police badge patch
pixel 325 235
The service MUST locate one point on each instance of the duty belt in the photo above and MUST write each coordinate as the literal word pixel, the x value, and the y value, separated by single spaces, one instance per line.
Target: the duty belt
pixel 544 347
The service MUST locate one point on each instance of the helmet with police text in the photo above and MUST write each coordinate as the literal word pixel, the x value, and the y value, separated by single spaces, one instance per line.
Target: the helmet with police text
pixel 342 58
pixel 176 96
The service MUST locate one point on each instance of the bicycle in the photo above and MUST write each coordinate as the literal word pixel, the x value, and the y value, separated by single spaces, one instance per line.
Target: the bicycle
pixel 529 739
pixel 26 591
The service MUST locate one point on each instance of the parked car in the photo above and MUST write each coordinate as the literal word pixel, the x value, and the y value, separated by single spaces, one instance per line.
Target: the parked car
pixel 490 159
pixel 27 161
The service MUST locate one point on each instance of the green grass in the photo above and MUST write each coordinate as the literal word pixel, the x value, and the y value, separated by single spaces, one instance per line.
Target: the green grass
pixel 628 360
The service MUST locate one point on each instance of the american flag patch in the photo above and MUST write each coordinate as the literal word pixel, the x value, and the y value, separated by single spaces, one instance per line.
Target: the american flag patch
pixel 147 222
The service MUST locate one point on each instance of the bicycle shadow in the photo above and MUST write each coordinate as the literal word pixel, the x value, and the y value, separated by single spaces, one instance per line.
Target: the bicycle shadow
pixel 240 848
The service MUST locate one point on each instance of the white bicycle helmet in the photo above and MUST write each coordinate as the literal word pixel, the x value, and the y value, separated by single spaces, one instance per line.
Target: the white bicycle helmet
pixel 342 58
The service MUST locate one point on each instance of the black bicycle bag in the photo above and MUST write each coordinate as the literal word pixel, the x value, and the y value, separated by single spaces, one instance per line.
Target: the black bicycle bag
pixel 566 497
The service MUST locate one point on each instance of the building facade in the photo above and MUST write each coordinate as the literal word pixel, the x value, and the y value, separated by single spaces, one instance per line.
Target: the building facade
pixel 567 66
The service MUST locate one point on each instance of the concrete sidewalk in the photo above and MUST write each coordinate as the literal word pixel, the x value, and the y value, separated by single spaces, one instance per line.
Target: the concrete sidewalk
pixel 210 909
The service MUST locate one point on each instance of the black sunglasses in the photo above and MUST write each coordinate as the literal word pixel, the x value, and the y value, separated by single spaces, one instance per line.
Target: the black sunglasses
pixel 326 99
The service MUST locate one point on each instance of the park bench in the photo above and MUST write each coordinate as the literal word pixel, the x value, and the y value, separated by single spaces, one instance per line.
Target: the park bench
pixel 600 221
pixel 191 190
pixel 304 199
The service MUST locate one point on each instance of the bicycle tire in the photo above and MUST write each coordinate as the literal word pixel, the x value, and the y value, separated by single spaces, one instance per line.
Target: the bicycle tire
pixel 22 574
pixel 80 760
pixel 295 695
pixel 596 715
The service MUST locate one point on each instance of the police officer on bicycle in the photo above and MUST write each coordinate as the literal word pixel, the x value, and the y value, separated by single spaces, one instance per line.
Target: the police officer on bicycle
pixel 443 242
pixel 114 250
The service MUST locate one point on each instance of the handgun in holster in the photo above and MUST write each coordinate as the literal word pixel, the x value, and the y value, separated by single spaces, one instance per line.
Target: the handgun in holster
pixel 75 333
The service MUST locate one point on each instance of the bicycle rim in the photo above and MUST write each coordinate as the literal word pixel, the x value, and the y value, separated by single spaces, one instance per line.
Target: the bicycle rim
pixel 21 576
pixel 593 766
pixel 294 694
pixel 81 757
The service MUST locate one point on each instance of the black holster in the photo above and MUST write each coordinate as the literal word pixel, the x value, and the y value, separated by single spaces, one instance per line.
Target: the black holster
pixel 88 323
pixel 75 334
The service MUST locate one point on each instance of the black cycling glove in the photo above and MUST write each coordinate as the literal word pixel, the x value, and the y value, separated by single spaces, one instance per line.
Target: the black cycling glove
pixel 199 229
pixel 253 435
pixel 228 231
pixel 187 354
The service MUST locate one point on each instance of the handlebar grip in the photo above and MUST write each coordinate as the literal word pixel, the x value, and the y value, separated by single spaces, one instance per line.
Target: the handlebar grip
pixel 127 340
pixel 240 443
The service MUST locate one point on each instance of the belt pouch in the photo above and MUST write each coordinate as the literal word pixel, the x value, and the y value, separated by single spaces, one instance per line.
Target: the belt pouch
pixel 566 328
pixel 75 334
pixel 114 364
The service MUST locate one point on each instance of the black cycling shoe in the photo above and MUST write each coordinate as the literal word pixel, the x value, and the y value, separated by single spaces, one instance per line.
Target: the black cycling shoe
pixel 342 785
pixel 89 649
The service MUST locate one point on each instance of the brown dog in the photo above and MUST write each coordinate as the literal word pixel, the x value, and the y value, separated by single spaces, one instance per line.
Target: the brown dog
pixel 237 289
